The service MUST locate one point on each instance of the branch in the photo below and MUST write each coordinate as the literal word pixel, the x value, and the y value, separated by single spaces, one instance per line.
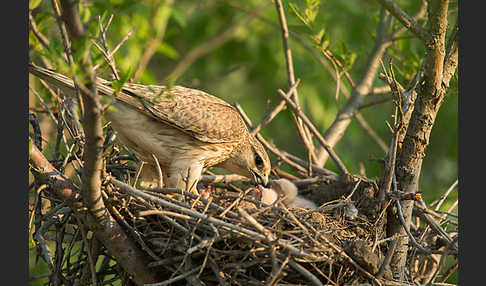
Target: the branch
pixel 92 122
pixel 316 133
pixel 367 128
pixel 429 99
pixel 155 41
pixel 205 48
pixel 99 219
pixel 405 19
pixel 113 237
pixel 302 130
pixel 336 131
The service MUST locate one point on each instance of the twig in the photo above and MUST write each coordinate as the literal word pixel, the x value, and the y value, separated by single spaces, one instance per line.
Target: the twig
pixel 306 273
pixel 112 53
pixel 267 144
pixel 388 256
pixel 316 133
pixel 105 50
pixel 42 39
pixel 301 128
pixel 405 19
pixel 159 172
pixel 443 197
pixel 177 278
pixel 205 48
pixel 271 115
pixel 409 234
pixel 155 42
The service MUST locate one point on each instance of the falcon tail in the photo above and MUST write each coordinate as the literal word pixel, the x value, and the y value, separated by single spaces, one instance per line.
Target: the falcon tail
pixel 61 81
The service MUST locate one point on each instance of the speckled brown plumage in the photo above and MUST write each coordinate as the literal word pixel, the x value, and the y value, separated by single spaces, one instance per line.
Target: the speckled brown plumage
pixel 187 130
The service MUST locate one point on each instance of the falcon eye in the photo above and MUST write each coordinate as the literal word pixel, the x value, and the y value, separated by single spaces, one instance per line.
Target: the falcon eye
pixel 258 161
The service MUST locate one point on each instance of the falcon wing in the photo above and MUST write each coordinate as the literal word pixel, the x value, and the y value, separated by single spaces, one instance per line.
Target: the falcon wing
pixel 203 116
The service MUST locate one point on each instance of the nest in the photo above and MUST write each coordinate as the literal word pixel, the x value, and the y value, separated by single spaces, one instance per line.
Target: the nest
pixel 233 239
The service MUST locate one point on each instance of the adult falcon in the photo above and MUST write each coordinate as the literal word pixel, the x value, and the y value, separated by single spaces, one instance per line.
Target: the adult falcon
pixel 187 130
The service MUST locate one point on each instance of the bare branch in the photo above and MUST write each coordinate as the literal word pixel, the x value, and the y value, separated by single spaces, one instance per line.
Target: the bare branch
pixel 113 237
pixel 426 106
pixel 405 19
pixel 316 133
pixel 155 42
pixel 301 128
pixel 336 131
pixel 205 48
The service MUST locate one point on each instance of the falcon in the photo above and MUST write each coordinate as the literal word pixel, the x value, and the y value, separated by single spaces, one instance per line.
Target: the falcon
pixel 188 131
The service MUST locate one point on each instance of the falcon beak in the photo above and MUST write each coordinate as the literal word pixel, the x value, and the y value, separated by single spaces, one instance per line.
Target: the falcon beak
pixel 259 179
pixel 264 181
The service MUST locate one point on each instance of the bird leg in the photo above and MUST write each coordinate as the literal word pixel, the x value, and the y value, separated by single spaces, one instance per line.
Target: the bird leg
pixel 183 177
pixel 159 172
pixel 150 177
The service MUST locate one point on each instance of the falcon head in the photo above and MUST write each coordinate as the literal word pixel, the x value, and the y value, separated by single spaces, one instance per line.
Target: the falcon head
pixel 250 160
pixel 258 166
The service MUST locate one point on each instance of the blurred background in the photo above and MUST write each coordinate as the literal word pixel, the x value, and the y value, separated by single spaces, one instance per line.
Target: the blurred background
pixel 233 50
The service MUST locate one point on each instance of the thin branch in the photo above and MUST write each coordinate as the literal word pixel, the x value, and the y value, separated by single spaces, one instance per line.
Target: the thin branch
pixel 336 63
pixel 205 48
pixel 93 158
pixel 306 273
pixel 42 39
pixel 114 238
pixel 335 132
pixel 301 128
pixel 444 196
pixel 152 45
pixel 405 19
pixel 316 133
pixel 271 115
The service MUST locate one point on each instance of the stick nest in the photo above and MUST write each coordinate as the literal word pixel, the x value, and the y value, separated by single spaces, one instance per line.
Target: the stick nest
pixel 231 239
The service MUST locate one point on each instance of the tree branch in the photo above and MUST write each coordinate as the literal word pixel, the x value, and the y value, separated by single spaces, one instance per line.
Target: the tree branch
pixel 155 41
pixel 405 19
pixel 205 48
pixel 336 131
pixel 428 101
pixel 99 219
pixel 123 249
pixel 301 128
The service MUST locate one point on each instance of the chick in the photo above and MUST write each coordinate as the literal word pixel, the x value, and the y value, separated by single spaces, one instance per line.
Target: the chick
pixel 284 187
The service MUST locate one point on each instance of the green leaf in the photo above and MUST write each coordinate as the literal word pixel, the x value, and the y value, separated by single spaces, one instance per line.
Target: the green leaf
pixel 33 4
pixel 31 144
pixel 161 17
pixel 296 11
pixel 178 17
pixel 124 77
pixel 168 51
pixel 84 13
pixel 31 243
